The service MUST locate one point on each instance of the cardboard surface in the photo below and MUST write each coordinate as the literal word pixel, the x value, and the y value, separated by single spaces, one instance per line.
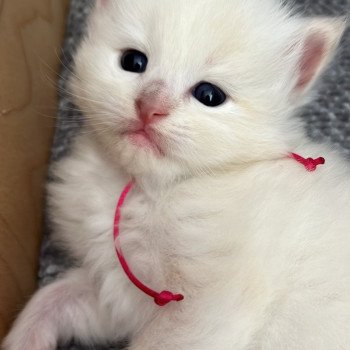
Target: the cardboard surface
pixel 31 33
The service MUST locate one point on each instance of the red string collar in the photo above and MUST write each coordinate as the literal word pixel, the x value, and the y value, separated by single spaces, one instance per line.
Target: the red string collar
pixel 165 297
pixel 310 164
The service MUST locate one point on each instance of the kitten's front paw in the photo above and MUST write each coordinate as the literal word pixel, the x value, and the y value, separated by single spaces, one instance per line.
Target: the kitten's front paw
pixel 33 340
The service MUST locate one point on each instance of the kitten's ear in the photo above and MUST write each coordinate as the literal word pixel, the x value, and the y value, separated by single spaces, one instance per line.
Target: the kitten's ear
pixel 317 45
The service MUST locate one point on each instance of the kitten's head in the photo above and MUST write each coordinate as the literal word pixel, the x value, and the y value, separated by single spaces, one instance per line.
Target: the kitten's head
pixel 179 87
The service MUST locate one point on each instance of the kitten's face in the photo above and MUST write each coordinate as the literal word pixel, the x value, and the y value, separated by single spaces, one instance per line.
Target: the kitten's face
pixel 185 86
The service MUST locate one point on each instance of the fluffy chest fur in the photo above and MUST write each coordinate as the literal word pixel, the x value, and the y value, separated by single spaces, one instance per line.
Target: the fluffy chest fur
pixel 252 236
pixel 257 250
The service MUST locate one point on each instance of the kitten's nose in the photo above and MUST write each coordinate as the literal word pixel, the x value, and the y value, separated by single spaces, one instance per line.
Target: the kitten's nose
pixel 150 109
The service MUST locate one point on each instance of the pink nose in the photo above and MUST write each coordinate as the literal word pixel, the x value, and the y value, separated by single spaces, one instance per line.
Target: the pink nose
pixel 150 110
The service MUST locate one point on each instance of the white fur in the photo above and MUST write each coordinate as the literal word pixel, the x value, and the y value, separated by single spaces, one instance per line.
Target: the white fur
pixel 259 247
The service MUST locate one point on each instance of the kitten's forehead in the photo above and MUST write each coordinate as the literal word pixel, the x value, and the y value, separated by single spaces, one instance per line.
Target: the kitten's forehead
pixel 188 41
pixel 208 28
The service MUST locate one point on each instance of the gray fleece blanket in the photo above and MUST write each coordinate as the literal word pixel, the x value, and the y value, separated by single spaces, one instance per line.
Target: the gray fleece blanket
pixel 326 119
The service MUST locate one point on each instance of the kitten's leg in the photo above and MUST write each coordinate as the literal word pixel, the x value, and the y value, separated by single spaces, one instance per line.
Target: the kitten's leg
pixel 64 309
pixel 173 335
pixel 185 328
pixel 184 342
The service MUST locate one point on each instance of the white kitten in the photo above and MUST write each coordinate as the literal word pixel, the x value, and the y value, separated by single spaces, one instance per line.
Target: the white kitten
pixel 201 116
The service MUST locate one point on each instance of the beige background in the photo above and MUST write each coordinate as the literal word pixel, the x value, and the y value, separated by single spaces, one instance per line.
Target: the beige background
pixel 31 32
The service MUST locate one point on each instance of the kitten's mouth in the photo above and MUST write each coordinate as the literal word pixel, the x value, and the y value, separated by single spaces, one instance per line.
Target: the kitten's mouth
pixel 145 139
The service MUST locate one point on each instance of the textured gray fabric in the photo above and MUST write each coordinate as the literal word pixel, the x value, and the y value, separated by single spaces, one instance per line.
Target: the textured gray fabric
pixel 327 118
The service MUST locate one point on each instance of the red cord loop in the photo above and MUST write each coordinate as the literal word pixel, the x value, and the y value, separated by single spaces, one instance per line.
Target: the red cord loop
pixel 310 164
pixel 160 299
pixel 166 297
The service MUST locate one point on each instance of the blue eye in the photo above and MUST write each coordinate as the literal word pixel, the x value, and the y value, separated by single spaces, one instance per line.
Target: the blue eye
pixel 209 94
pixel 134 61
